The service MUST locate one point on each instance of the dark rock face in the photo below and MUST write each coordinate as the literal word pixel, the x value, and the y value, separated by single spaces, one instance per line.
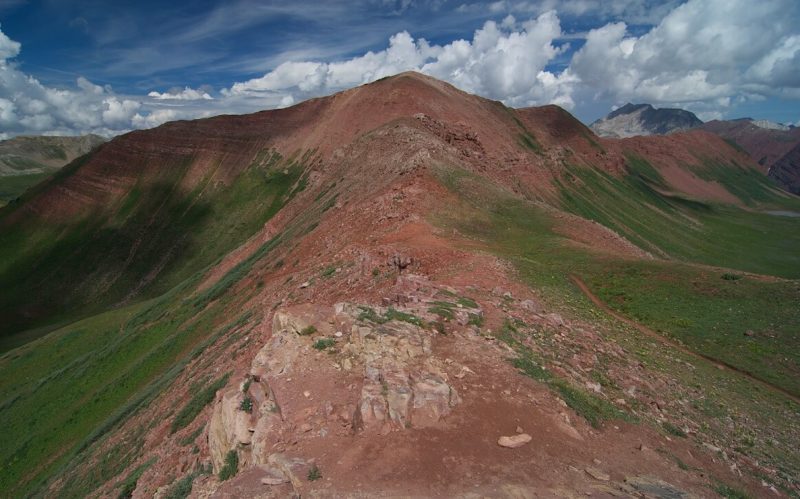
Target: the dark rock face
pixel 786 171
pixel 663 121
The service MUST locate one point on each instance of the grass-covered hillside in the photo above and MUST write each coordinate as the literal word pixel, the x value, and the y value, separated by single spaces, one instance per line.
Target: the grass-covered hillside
pixel 150 240
pixel 706 290
pixel 701 297
pixel 642 207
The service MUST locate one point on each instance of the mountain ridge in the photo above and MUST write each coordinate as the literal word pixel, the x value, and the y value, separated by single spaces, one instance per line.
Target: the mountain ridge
pixel 178 165
pixel 265 299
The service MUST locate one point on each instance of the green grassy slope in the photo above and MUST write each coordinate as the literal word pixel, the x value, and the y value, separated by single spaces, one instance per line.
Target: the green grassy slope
pixel 62 393
pixel 689 303
pixel 636 207
pixel 750 323
pixel 153 239
pixel 694 304
pixel 26 161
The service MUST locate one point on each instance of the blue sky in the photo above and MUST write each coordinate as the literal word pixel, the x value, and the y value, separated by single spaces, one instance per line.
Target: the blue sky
pixel 108 67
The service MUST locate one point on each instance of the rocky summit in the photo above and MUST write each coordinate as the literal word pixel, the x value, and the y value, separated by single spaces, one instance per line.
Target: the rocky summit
pixel 401 290
pixel 643 119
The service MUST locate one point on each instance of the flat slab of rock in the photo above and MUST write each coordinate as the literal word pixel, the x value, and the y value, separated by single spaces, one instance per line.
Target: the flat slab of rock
pixel 597 474
pixel 514 441
pixel 652 488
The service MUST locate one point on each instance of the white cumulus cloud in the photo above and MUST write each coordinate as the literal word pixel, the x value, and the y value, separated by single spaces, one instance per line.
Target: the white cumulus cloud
pixel 703 53
pixel 181 94
pixel 8 48
pixel 502 61
pixel 29 107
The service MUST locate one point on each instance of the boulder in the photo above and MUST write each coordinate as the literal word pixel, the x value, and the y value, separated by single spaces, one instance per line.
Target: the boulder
pixel 514 441
pixel 403 382
pixel 531 306
pixel 273 476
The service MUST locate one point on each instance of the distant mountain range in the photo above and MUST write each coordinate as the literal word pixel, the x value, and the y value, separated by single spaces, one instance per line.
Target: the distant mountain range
pixel 774 146
pixel 24 161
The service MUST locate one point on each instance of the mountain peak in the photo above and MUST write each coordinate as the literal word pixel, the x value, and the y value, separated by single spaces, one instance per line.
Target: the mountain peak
pixel 628 108
pixel 643 119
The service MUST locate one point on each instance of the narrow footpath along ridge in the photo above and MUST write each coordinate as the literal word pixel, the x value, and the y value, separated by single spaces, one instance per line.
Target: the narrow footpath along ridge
pixel 666 341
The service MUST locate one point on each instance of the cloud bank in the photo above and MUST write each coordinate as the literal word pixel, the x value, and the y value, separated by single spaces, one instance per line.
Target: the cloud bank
pixel 705 55
pixel 502 61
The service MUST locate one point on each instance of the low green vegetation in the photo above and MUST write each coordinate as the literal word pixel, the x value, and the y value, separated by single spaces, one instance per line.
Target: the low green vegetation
pixel 246 405
pixel 391 314
pixel 747 184
pixel 324 343
pixel 475 320
pixel 230 467
pixel 750 323
pixel 369 314
pixel 443 309
pixel 63 393
pixel 467 302
pixel 190 438
pixel 11 187
pixel 396 315
pixel 183 487
pixel 234 275
pixel 729 492
pixel 197 403
pixel 525 138
pixel 180 489
pixel 594 409
pixel 129 484
pixel 673 430
pixel 638 207
pixel 307 331
pixel 314 474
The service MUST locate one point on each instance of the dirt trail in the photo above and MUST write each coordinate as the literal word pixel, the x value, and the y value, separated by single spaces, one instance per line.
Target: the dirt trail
pixel 666 341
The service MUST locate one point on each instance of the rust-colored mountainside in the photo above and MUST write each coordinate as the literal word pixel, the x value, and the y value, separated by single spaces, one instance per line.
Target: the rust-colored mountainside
pixel 485 134
pixel 392 292
pixel 146 198
pixel 765 145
